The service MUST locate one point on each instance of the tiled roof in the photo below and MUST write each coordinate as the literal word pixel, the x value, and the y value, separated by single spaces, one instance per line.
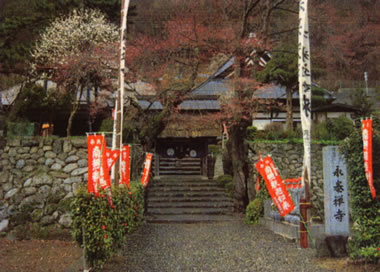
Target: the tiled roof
pixel 185 105
pixel 212 87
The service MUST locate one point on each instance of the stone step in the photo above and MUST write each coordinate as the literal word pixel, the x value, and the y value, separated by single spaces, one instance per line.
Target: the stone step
pixel 182 184
pixel 185 189
pixel 189 199
pixel 183 211
pixel 180 199
pixel 185 193
pixel 210 204
pixel 180 178
pixel 189 219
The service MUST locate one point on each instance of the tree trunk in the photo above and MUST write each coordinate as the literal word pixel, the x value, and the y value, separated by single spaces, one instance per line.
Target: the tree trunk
pixel 289 109
pixel 73 112
pixel 238 151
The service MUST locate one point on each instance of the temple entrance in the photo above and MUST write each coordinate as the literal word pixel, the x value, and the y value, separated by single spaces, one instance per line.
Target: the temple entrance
pixel 185 157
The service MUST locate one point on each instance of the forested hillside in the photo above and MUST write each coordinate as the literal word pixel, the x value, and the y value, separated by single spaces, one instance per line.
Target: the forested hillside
pixel 345 34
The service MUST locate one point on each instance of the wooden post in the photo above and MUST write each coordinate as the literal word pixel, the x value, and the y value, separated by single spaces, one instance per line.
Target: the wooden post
pixel 304 205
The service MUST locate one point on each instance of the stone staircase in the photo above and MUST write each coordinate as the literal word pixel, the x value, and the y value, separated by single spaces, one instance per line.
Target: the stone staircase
pixel 187 200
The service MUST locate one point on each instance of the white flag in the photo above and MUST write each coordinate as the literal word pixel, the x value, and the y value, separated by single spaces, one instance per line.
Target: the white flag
pixel 304 79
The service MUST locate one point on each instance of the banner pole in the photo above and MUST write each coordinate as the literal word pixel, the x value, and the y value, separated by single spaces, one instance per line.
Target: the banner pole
pixel 85 266
pixel 305 96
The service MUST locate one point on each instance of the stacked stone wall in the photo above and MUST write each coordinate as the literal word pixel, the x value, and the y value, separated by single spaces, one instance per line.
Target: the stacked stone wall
pixel 289 161
pixel 38 174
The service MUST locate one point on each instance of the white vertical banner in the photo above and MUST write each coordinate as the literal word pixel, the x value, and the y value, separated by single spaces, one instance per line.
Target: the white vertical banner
pixel 123 34
pixel 304 79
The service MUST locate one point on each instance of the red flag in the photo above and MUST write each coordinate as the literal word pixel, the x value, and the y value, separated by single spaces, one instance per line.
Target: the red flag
pixel 125 165
pixel 367 154
pixel 293 183
pixel 275 186
pixel 146 173
pixel 111 156
pixel 97 164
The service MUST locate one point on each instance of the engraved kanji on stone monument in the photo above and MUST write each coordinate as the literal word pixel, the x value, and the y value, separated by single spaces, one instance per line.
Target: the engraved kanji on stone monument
pixel 335 191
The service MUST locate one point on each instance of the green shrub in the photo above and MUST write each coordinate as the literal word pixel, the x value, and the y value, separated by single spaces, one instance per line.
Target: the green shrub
pixel 254 211
pixel 65 204
pixel 365 210
pixel 21 129
pixel 320 131
pixel 107 125
pixel 274 131
pixel 223 180
pixel 263 193
pixel 214 149
pixel 251 133
pixel 333 129
pixel 105 227
pixel 229 187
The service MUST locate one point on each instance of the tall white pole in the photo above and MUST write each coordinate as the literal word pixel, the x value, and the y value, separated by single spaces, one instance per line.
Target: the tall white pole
pixel 117 140
pixel 305 93
pixel 305 88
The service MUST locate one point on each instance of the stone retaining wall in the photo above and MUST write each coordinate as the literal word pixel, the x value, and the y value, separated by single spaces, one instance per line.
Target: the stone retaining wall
pixel 288 159
pixel 38 175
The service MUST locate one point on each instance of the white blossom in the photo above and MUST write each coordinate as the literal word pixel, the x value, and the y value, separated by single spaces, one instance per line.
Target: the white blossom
pixel 70 35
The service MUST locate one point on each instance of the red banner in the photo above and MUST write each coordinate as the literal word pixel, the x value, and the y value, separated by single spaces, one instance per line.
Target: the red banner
pixel 367 154
pixel 146 173
pixel 111 156
pixel 125 165
pixel 98 176
pixel 293 183
pixel 275 186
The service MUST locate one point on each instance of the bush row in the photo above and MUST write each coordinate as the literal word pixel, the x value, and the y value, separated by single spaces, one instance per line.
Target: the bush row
pixel 336 129
pixel 255 208
pixel 365 242
pixel 100 228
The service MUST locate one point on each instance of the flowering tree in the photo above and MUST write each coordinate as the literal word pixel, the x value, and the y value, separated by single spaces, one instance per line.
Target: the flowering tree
pixel 76 52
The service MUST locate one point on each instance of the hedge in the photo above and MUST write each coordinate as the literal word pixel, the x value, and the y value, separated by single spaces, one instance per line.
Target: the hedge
pixel 105 227
pixel 365 241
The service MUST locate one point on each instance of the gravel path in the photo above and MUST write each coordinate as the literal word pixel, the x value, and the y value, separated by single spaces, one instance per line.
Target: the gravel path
pixel 228 246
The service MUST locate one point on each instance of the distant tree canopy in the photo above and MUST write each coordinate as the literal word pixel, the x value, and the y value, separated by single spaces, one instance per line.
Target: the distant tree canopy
pixel 344 36
pixel 36 104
